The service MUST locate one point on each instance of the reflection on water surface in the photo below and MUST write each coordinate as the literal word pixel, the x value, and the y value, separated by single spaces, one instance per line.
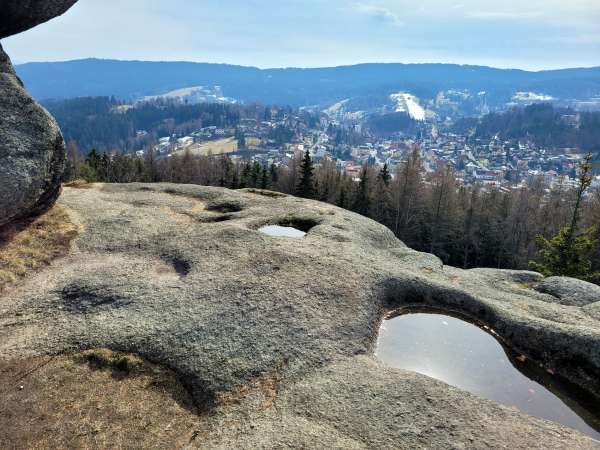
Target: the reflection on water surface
pixel 463 355
pixel 279 231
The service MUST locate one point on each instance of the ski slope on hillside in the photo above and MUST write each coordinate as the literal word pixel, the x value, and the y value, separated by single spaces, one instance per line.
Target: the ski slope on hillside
pixel 408 103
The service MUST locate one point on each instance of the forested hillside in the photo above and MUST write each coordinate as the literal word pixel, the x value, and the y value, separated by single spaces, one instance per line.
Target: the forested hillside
pixel 107 124
pixel 543 124
pixel 388 124
pixel 295 86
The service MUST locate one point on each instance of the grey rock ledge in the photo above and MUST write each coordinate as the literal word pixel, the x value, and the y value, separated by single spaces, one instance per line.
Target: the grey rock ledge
pixel 225 306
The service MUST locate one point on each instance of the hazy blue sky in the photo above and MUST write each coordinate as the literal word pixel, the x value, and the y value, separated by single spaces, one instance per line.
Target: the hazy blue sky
pixel 532 34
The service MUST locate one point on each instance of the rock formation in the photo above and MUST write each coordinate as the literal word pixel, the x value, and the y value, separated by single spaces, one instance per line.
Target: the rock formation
pixel 569 291
pixel 274 337
pixel 32 152
pixel 20 15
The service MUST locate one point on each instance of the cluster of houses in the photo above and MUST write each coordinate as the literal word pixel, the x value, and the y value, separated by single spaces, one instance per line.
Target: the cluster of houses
pixel 491 163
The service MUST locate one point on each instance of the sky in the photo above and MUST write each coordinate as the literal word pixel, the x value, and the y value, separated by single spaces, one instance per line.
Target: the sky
pixel 532 34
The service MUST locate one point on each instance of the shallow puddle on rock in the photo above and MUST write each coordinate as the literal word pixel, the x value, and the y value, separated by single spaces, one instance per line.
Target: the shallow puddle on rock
pixel 279 231
pixel 463 355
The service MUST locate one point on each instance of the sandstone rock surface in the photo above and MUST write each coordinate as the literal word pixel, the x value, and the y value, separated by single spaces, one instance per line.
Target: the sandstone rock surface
pixel 569 291
pixel 21 15
pixel 275 336
pixel 32 151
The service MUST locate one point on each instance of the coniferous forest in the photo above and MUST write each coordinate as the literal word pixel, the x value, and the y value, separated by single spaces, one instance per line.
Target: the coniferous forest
pixel 544 124
pixel 105 123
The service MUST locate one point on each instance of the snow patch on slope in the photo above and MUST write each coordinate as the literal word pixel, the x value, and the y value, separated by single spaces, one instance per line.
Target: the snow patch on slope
pixel 531 97
pixel 408 103
pixel 336 108
pixel 194 94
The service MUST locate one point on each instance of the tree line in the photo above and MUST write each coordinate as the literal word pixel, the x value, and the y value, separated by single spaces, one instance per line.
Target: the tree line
pixel 532 227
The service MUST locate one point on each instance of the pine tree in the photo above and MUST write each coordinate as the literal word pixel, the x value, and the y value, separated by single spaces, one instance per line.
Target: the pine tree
pixel 104 169
pixel 568 253
pixel 89 171
pixel 362 200
pixel 306 188
pixel 382 201
pixel 93 159
pixel 245 179
pixel 384 175
pixel 235 180
pixel 264 179
pixel 255 174
pixel 274 173
pixel 225 171
pixel 341 200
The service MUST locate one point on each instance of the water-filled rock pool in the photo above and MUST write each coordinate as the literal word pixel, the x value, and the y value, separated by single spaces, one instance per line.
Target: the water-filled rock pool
pixel 471 358
pixel 281 231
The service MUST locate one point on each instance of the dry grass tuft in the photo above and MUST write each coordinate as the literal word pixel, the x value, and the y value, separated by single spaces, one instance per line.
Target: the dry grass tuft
pixel 29 245
pixel 104 359
pixel 261 391
pixel 95 399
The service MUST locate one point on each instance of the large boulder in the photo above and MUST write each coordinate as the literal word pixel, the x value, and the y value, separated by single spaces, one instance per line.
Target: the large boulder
pixel 32 150
pixel 21 15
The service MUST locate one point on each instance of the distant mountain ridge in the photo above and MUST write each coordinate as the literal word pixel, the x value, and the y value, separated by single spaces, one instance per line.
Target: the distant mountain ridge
pixel 301 87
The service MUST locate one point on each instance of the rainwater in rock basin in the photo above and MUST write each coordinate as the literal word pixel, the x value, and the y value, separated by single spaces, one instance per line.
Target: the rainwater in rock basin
pixel 471 358
pixel 280 231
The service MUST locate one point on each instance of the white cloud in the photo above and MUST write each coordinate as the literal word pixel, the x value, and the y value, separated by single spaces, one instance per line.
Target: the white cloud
pixel 511 33
pixel 380 13
pixel 554 12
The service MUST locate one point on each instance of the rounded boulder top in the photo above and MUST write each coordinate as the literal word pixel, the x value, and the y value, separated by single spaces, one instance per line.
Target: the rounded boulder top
pixel 32 151
pixel 20 15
